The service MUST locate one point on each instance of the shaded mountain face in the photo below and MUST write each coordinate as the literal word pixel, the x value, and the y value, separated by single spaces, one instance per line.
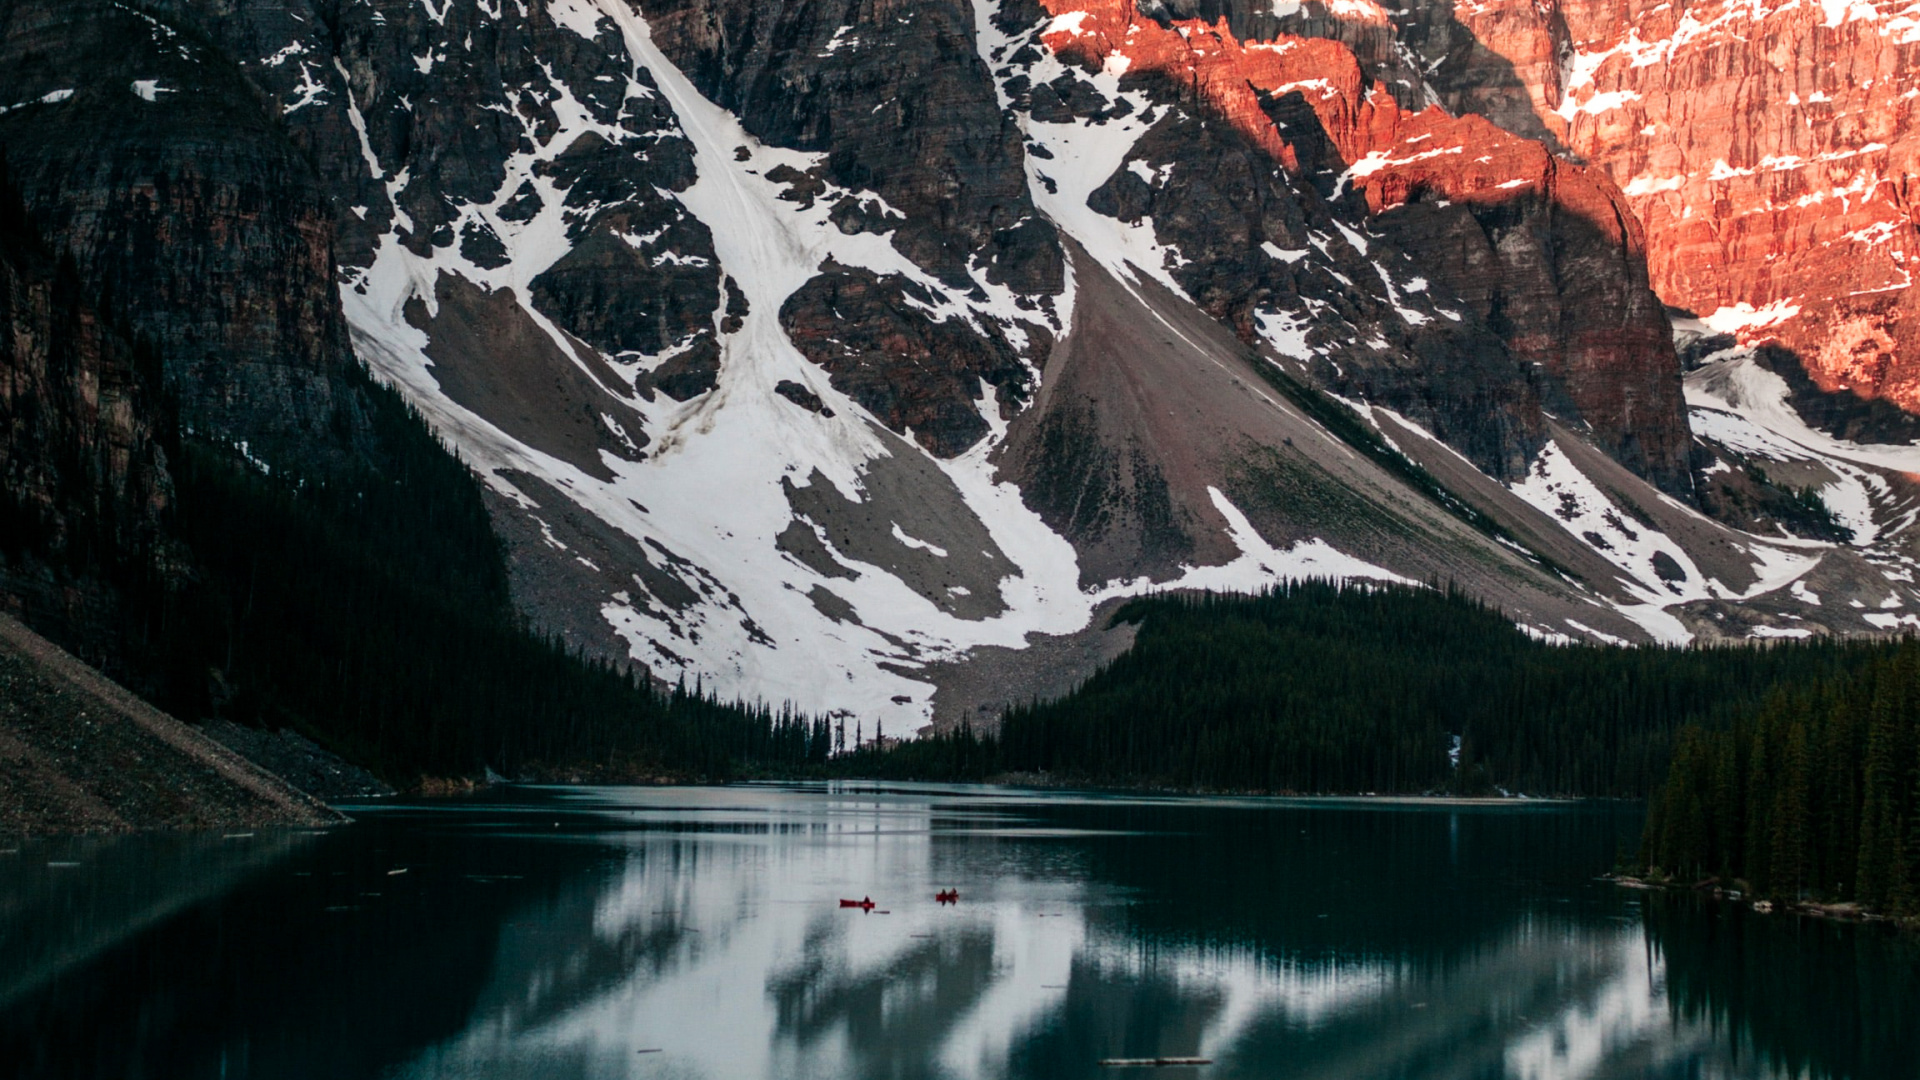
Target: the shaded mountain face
pixel 147 154
pixel 83 470
pixel 859 353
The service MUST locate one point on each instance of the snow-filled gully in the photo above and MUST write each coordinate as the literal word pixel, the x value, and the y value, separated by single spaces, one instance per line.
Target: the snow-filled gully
pixel 711 483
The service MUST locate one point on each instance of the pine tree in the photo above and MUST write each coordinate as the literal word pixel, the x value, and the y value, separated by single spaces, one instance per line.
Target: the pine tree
pixel 1878 817
pixel 1788 869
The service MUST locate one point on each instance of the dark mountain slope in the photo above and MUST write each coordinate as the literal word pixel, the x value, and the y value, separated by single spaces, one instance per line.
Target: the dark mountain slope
pixel 351 590
pixel 145 154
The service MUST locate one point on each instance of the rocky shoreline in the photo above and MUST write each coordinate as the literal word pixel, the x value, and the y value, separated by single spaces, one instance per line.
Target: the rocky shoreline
pixel 1716 889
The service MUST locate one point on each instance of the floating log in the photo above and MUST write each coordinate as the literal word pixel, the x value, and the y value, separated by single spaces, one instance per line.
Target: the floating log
pixel 1153 1063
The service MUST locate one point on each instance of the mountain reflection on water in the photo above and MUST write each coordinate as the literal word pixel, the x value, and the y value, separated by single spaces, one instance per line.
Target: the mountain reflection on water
pixel 695 932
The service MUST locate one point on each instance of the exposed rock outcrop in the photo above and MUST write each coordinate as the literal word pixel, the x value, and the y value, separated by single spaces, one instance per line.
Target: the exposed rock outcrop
pixel 870 334
pixel 148 156
pixel 83 473
pixel 1549 256
pixel 1767 148
pixel 894 94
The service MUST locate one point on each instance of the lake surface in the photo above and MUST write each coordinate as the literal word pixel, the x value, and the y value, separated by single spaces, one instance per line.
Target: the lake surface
pixel 696 933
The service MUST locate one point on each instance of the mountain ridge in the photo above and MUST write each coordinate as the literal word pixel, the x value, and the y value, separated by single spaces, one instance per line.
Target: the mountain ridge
pixel 815 351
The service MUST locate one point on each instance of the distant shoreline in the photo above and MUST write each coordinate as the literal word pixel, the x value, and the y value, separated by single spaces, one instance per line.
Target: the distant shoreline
pixel 1045 782
pixel 431 787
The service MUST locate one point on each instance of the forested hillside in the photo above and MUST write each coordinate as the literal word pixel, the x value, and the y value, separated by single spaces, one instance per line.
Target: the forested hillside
pixel 1815 795
pixel 1320 688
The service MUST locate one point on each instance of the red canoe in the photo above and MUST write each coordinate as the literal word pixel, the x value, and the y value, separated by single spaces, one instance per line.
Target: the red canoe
pixel 866 904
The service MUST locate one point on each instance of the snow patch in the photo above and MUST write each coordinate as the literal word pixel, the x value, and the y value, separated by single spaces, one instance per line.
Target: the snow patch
pixel 1375 160
pixel 1598 635
pixel 1645 184
pixel 1593 106
pixel 579 16
pixel 1744 316
pixel 54 98
pixel 1286 332
pixel 839 41
pixel 920 545
pixel 1742 391
pixel 1261 565
pixel 1073 22
pixel 1557 487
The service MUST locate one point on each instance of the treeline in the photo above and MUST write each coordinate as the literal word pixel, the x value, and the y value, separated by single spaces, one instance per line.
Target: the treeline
pixel 1816 795
pixel 1324 688
pixel 1320 688
pixel 957 754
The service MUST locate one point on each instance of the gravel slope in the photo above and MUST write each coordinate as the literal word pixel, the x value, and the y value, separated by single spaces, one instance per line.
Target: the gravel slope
pixel 81 754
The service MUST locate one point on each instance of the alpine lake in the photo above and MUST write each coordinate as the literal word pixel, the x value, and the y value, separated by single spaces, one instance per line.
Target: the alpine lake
pixel 697 932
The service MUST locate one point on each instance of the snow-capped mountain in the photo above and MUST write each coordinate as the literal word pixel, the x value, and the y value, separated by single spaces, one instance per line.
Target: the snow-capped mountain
pixel 862 354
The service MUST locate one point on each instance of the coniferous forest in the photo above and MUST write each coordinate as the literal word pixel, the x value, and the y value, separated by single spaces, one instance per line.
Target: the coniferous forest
pixel 1391 689
pixel 1815 795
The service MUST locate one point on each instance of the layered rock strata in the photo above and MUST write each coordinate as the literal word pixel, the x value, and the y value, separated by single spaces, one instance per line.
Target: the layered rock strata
pixel 83 473
pixel 1766 148
pixel 147 155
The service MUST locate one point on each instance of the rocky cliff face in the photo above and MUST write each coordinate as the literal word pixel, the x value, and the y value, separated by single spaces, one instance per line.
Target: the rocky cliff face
pixel 1765 147
pixel 146 154
pixel 937 149
pixel 83 477
pixel 1540 254
pixel 1548 255
pixel 1768 149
